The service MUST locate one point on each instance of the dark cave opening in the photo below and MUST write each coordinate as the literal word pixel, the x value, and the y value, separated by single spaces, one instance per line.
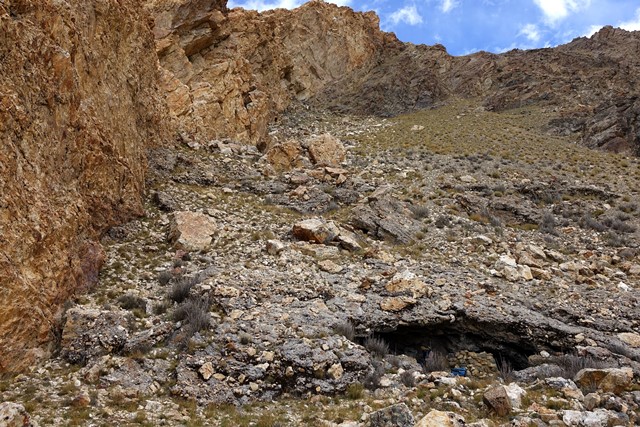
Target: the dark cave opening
pixel 418 340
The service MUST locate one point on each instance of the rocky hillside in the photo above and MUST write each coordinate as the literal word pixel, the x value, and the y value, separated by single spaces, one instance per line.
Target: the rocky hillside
pixel 333 225
pixel 591 84
pixel 79 104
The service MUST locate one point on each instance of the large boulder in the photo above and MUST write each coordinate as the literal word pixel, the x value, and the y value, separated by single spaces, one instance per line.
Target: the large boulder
pixel 614 380
pixel 437 418
pixel 497 399
pixel 192 231
pixel 14 415
pixel 326 150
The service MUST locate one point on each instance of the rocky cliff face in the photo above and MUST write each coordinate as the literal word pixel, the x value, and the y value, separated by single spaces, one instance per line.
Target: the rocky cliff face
pixel 228 73
pixel 78 105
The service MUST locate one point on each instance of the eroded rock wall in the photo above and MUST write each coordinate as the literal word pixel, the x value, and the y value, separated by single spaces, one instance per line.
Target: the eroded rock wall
pixel 227 73
pixel 79 102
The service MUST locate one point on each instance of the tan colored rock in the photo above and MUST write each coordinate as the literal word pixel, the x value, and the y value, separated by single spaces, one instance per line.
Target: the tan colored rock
pixel 437 418
pixel 408 285
pixel 326 150
pixel 315 230
pixel 80 105
pixel 497 400
pixel 614 380
pixel 285 156
pixel 192 231
pixel 260 63
pixel 396 304
pixel 335 371
pixel 274 247
pixel 14 415
pixel 630 338
pixel 330 266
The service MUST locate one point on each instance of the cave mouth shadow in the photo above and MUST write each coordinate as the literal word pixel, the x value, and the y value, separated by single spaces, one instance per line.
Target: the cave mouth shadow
pixel 418 341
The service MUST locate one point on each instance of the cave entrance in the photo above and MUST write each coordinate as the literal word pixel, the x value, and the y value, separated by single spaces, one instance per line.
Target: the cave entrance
pixel 447 338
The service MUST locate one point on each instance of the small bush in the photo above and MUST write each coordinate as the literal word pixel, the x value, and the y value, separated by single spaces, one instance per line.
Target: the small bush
pixel 419 211
pixel 548 223
pixel 164 277
pixel 372 380
pixel 435 361
pixel 131 302
pixel 161 307
pixel 195 312
pixel 587 221
pixel 408 379
pixel 377 347
pixel 442 221
pixel 180 290
pixel 355 391
pixel 346 329
pixel 505 370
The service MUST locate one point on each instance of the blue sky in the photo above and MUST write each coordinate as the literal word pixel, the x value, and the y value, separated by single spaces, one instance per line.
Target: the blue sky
pixel 466 26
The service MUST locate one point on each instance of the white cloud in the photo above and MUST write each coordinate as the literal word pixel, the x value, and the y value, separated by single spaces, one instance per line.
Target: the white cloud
pixel 261 5
pixel 555 10
pixel 448 5
pixel 408 14
pixel 531 32
pixel 633 25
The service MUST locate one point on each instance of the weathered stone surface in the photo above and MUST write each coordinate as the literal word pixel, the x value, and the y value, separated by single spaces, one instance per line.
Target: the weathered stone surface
pixel 14 415
pixel 630 338
pixel 386 218
pixel 326 150
pixel 90 333
pixel 393 416
pixel 192 231
pixel 285 156
pixel 437 418
pixel 315 230
pixel 608 380
pixel 228 73
pixel 497 399
pixel 80 104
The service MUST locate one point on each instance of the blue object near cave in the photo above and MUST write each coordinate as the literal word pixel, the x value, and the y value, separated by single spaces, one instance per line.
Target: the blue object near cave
pixel 459 372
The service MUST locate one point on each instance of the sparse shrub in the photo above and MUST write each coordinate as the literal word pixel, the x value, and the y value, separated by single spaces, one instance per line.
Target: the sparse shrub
pixel 195 312
pixel 619 225
pixel 131 302
pixel 505 370
pixel 587 221
pixel 245 338
pixel 615 240
pixel 435 361
pixel 548 223
pixel 628 207
pixel 408 379
pixel 372 380
pixel 161 307
pixel 419 211
pixel 164 277
pixel 180 290
pixel 377 347
pixel 346 329
pixel 355 391
pixel 443 221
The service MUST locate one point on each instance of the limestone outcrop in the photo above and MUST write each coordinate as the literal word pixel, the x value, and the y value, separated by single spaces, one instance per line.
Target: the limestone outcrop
pixel 228 73
pixel 79 102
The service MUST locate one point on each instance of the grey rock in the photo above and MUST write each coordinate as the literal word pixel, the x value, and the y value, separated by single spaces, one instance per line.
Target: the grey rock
pixel 392 416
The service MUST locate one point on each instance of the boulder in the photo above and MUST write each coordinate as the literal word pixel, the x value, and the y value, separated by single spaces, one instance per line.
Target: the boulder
pixel 392 416
pixel 315 230
pixel 192 231
pixel 630 338
pixel 614 380
pixel 497 399
pixel 285 156
pixel 89 333
pixel 326 150
pixel 14 415
pixel 437 418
